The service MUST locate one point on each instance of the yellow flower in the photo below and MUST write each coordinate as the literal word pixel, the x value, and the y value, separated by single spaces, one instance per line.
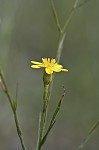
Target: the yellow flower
pixel 50 65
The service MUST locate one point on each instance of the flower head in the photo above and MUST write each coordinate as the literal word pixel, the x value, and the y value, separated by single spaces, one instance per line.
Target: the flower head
pixel 50 65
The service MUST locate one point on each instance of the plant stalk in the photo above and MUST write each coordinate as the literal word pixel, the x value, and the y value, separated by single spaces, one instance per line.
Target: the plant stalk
pixel 47 79
pixel 13 107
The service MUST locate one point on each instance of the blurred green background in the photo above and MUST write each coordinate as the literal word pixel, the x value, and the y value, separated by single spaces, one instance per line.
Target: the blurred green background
pixel 28 32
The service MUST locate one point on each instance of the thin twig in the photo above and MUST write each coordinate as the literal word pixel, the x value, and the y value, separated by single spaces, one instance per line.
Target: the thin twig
pixel 91 132
pixel 81 4
pixel 13 105
pixel 56 16
pixel 70 15
pixel 62 32
pixel 62 35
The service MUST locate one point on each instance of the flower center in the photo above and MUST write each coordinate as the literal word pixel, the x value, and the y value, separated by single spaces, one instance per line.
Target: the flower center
pixel 50 64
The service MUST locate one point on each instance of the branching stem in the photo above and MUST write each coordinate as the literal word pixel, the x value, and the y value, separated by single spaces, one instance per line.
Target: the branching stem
pixel 13 107
pixel 47 88
pixel 56 16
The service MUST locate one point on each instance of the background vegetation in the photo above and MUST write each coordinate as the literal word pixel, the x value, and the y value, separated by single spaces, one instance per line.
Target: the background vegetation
pixel 28 32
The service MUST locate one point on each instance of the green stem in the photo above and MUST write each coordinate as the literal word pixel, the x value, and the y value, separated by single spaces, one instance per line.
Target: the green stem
pixel 91 132
pixel 43 115
pixel 53 119
pixel 19 131
pixel 44 112
pixel 62 31
pixel 56 16
pixel 60 46
pixel 68 19
pixel 13 110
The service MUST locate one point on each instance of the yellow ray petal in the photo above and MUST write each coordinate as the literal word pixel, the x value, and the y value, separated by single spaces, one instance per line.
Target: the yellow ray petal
pixel 35 66
pixel 53 61
pixel 49 70
pixel 49 60
pixel 56 69
pixel 64 70
pixel 44 60
pixel 36 63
